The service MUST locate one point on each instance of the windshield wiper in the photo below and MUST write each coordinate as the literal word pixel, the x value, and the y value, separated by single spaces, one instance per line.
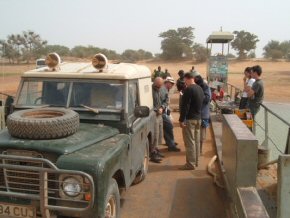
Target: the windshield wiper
pixel 90 108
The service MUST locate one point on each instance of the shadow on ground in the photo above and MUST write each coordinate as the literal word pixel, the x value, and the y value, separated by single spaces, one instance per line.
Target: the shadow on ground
pixel 205 202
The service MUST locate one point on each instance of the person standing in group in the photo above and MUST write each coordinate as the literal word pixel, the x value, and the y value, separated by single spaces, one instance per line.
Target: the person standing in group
pixel 256 92
pixel 158 73
pixel 190 119
pixel 248 82
pixel 180 85
pixel 192 69
pixel 167 123
pixel 205 111
pixel 166 74
pixel 155 155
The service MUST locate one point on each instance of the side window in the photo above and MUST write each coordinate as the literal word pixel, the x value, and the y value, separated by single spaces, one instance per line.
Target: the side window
pixel 133 100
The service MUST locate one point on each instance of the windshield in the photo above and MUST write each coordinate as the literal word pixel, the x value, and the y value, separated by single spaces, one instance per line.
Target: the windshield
pixel 99 94
pixel 43 93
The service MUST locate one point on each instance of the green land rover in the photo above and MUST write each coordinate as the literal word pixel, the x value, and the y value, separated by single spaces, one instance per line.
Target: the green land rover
pixel 79 134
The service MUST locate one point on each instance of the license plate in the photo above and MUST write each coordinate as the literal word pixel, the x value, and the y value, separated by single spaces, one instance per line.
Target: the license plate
pixel 10 210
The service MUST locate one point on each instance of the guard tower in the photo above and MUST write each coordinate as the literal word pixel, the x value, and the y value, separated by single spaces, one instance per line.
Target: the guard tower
pixel 217 67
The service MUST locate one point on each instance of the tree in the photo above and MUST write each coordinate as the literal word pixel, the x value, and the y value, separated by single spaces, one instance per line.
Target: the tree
pixel 144 55
pixel 23 46
pixel 32 45
pixel 8 50
pixel 244 42
pixel 200 53
pixel 271 46
pixel 135 55
pixel 177 44
pixel 285 48
pixel 276 50
pixel 252 54
pixel 59 49
pixel 84 51
pixel 130 55
pixel 110 54
pixel 89 51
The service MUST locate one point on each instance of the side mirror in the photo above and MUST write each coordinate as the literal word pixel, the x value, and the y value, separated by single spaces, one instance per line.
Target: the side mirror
pixel 141 111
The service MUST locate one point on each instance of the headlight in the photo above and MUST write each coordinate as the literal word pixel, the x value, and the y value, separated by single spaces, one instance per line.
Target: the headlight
pixel 71 187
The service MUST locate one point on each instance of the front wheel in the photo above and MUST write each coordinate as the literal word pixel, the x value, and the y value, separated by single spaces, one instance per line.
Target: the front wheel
pixel 112 205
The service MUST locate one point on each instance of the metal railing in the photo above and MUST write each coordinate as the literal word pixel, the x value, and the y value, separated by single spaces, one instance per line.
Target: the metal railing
pixel 272 132
pixel 231 90
pixel 271 129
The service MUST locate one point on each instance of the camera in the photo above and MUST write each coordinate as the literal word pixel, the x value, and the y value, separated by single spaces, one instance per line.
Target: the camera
pixel 167 111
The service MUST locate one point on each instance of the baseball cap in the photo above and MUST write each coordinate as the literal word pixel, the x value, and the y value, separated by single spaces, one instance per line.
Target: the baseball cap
pixel 169 79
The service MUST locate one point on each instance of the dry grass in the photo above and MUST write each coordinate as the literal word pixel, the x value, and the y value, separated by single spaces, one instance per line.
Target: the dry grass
pixel 276 75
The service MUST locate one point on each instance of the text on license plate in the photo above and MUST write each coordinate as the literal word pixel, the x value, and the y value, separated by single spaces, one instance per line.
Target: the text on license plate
pixel 10 210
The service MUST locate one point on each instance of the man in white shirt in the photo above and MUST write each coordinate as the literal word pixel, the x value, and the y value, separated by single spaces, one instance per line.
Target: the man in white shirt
pixel 248 82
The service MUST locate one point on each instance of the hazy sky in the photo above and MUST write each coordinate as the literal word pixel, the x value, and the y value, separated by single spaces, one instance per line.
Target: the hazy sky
pixel 135 24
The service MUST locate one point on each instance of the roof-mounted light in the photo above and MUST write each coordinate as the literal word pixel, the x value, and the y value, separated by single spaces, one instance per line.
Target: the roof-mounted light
pixel 52 60
pixel 100 62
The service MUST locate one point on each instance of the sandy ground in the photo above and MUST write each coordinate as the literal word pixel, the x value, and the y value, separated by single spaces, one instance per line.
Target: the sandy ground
pixel 170 193
pixel 276 75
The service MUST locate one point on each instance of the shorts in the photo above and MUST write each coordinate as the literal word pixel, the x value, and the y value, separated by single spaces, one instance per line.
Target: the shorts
pixel 205 123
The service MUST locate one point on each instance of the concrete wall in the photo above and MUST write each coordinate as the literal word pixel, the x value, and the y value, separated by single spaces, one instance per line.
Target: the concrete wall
pixel 240 160
pixel 239 153
pixel 283 187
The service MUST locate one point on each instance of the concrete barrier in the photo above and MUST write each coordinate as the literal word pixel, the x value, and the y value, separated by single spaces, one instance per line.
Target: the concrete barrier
pixel 239 153
pixel 283 187
pixel 249 204
pixel 240 159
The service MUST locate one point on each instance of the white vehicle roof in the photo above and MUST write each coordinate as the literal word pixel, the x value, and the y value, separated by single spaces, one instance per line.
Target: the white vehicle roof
pixel 122 71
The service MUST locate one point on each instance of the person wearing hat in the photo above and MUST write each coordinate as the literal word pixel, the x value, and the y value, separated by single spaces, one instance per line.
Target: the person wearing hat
pixel 167 123
pixel 190 119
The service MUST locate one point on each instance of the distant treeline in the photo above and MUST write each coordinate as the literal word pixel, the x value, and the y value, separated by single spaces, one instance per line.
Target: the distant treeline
pixel 176 44
pixel 28 46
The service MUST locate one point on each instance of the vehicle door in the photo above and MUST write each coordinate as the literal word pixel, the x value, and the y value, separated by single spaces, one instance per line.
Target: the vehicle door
pixel 137 129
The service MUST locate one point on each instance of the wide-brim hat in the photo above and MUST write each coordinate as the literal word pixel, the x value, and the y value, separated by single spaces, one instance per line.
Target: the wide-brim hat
pixel 169 79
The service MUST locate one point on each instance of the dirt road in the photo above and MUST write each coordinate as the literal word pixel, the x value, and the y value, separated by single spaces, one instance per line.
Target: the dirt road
pixel 169 192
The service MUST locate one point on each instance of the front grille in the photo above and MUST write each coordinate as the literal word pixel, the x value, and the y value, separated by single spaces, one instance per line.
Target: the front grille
pixel 26 181
pixel 28 175
pixel 2 181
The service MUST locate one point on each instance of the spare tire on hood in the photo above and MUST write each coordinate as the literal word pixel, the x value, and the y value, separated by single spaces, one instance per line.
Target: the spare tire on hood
pixel 43 123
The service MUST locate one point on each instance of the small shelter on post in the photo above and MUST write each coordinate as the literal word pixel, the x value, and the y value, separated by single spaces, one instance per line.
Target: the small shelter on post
pixel 217 67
